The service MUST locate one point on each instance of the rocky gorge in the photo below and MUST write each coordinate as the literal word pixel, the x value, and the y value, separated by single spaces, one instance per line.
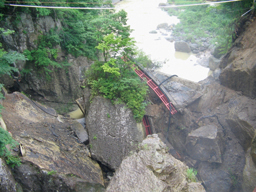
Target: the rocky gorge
pixel 213 131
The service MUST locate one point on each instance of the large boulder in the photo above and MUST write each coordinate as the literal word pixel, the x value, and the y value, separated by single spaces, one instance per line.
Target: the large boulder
pixel 182 46
pixel 181 92
pixel 49 144
pixel 253 151
pixel 241 120
pixel 7 182
pixel 152 169
pixel 162 26
pixel 113 131
pixel 203 144
pixel 239 67
pixel 213 63
pixel 249 173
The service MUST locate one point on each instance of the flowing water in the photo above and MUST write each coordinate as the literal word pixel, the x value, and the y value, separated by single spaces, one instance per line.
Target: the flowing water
pixel 143 17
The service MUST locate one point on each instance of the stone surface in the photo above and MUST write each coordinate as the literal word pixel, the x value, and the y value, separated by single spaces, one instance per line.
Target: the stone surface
pixel 213 63
pixel 64 85
pixel 181 92
pixel 182 46
pixel 216 52
pixel 253 150
pixel 242 121
pixel 113 131
pixel 249 173
pixel 162 26
pixel 202 144
pixel 48 140
pixel 153 32
pixel 7 182
pixel 238 65
pixel 80 132
pixel 152 169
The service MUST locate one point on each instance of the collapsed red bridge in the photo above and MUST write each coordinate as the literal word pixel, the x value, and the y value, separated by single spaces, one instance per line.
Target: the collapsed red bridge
pixel 159 93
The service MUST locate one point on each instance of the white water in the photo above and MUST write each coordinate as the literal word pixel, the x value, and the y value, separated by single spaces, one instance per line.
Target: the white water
pixel 143 17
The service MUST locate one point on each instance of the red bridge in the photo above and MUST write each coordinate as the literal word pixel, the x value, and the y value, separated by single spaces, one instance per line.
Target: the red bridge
pixel 159 93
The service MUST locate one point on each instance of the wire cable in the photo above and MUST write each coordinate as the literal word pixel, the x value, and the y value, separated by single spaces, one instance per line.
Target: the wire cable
pixel 196 4
pixel 55 7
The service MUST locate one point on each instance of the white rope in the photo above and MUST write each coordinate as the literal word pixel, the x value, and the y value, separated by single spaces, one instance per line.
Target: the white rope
pixel 189 5
pixel 56 7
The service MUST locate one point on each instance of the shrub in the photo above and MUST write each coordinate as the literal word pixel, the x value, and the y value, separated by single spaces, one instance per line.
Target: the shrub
pixel 6 139
pixel 191 175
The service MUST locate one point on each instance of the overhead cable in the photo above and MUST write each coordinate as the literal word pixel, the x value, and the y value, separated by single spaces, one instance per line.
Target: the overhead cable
pixel 56 7
pixel 189 5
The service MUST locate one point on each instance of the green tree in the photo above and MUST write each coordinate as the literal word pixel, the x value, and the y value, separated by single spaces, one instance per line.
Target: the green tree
pixel 6 60
pixel 114 77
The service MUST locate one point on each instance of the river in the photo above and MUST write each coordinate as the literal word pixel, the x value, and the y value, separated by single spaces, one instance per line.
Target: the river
pixel 143 17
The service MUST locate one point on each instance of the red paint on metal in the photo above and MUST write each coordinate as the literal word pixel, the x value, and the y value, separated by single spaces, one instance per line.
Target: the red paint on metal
pixel 156 89
pixel 147 125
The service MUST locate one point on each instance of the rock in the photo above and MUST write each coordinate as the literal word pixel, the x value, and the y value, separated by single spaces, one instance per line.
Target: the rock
pixel 203 144
pixel 182 46
pixel 215 180
pixel 171 39
pixel 216 52
pixel 81 133
pixel 48 141
pixel 181 92
pixel 213 63
pixel 194 47
pixel 8 182
pixel 162 26
pixel 2 123
pixel 64 85
pixel 249 173
pixel 238 65
pixel 113 131
pixel 242 127
pixel 33 179
pixel 253 150
pixel 81 121
pixel 162 4
pixel 153 32
pixel 152 169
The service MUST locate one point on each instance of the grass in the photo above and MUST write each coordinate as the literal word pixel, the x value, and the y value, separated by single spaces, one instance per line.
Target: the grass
pixel 191 175
pixel 216 23
pixel 51 172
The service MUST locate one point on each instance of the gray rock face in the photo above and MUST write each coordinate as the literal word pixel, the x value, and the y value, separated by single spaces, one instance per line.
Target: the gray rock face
pixel 249 173
pixel 64 86
pixel 253 151
pixel 162 26
pixel 241 125
pixel 153 32
pixel 181 92
pixel 152 169
pixel 213 63
pixel 113 131
pixel 7 182
pixel 202 144
pixel 80 132
pixel 49 146
pixel 182 47
pixel 239 67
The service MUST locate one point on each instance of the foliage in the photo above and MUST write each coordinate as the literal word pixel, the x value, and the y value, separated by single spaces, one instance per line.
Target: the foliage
pixel 6 60
pixel 191 175
pixel 51 172
pixel 6 139
pixel 114 77
pixel 144 60
pixel 216 23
